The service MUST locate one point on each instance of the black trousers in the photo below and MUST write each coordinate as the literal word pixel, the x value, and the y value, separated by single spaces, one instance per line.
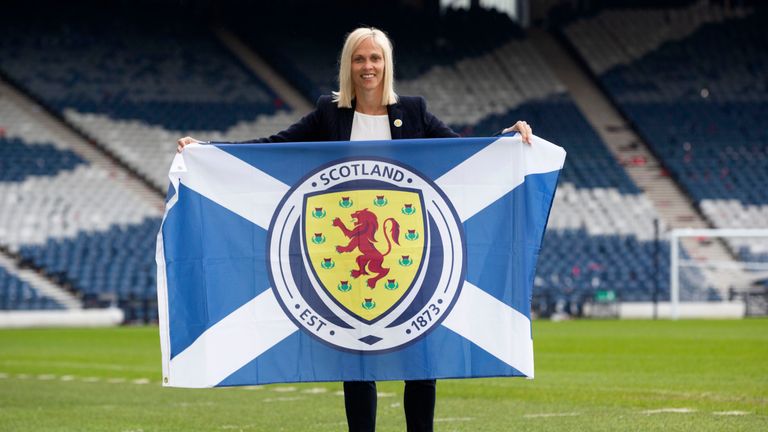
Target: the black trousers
pixel 418 401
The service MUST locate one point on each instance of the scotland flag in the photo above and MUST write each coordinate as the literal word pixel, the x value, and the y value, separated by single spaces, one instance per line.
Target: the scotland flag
pixel 344 261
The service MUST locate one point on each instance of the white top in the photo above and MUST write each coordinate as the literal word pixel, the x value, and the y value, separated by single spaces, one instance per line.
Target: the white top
pixel 370 127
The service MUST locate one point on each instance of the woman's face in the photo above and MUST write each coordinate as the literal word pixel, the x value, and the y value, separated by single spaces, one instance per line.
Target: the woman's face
pixel 368 66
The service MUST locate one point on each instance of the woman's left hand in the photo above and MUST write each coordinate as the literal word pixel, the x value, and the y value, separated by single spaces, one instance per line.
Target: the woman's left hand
pixel 525 131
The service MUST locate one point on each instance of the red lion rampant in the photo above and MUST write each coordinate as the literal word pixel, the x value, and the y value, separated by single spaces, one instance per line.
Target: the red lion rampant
pixel 362 237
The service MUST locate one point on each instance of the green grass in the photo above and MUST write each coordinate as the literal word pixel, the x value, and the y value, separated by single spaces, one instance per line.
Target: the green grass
pixel 590 375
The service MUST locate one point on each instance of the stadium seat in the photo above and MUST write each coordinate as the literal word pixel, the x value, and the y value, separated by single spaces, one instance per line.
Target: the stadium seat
pixel 16 294
pixel 703 117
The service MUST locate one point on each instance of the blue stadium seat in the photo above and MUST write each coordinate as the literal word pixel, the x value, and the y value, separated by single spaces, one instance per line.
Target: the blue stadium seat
pixel 19 160
pixel 16 294
pixel 133 69
pixel 117 266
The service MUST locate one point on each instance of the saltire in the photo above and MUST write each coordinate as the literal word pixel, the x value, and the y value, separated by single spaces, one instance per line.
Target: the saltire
pixel 223 322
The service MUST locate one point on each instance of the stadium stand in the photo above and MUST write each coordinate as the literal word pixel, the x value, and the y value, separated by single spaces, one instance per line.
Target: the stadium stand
pixel 420 43
pixel 135 86
pixel 130 85
pixel 19 160
pixel 114 267
pixel 60 209
pixel 484 81
pixel 16 294
pixel 692 82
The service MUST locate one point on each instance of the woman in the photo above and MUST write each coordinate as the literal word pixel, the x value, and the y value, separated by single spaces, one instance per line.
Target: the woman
pixel 367 108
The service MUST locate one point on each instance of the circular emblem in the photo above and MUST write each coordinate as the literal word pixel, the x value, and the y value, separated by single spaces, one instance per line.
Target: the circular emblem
pixel 366 254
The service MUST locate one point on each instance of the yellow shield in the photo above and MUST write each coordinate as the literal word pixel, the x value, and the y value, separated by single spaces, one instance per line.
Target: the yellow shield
pixel 365 246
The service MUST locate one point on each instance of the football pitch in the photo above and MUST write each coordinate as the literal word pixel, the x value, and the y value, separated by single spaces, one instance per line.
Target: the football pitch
pixel 590 375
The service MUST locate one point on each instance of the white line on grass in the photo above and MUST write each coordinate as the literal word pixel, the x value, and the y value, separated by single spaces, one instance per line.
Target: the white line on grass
pixel 78 365
pixel 48 377
pixel 379 394
pixel 283 399
pixel 283 389
pixel 453 419
pixel 191 404
pixel 545 415
pixel 395 405
pixel 3 375
pixel 670 410
pixel 253 387
pixel 315 390
pixel 731 413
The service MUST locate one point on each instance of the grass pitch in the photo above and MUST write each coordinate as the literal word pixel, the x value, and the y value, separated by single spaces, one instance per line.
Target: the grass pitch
pixel 590 375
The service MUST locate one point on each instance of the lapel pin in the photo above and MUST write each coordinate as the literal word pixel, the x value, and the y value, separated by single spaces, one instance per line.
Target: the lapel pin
pixel 398 122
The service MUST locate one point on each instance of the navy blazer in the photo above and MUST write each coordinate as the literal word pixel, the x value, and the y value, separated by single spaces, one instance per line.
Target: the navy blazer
pixel 328 122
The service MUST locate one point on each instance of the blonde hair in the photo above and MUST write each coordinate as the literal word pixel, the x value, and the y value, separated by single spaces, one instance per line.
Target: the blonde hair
pixel 346 87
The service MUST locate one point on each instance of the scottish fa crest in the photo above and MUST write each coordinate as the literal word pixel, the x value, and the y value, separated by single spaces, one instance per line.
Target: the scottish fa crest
pixel 366 254
pixel 374 263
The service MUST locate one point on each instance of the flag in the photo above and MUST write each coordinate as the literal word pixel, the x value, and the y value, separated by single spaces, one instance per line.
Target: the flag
pixel 345 261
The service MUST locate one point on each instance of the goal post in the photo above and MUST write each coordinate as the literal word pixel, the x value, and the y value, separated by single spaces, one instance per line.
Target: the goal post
pixel 738 270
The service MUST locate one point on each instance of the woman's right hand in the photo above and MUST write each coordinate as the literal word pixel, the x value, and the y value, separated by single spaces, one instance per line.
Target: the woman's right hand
pixel 182 142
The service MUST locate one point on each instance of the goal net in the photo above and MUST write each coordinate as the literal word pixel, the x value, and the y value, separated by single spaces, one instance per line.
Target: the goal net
pixel 719 264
